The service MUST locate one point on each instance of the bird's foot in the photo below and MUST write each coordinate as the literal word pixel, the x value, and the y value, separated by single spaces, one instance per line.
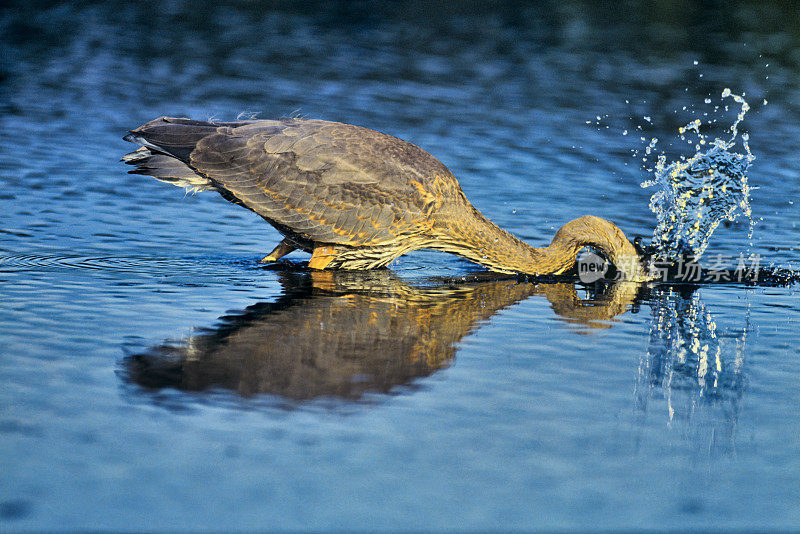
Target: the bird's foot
pixel 283 248
pixel 322 257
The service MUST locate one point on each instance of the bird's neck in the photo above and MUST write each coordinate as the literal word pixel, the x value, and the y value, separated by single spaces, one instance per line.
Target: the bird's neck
pixel 478 239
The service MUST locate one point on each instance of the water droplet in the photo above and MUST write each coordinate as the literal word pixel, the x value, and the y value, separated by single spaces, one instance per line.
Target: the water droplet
pixel 696 194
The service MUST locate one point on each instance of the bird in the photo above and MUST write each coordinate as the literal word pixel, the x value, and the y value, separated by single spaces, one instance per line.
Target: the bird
pixel 355 198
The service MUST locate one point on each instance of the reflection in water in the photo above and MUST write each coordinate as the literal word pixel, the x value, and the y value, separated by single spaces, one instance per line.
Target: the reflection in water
pixel 596 310
pixel 346 333
pixel 343 334
pixel 697 367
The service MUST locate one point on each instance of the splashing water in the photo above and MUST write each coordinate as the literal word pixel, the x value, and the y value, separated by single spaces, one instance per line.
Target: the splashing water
pixel 698 193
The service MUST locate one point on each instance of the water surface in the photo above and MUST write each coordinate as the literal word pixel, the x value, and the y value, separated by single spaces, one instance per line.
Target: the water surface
pixel 155 376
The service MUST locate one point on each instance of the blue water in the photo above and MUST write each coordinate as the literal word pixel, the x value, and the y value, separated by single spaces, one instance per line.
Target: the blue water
pixel 154 376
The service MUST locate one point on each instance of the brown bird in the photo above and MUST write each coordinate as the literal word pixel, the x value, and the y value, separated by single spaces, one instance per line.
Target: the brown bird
pixel 354 198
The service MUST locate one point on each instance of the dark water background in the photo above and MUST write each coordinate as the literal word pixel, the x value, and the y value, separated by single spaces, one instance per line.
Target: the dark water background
pixel 153 376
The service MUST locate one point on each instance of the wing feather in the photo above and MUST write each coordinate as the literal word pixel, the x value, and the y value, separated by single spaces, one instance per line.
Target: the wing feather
pixel 329 182
pixel 325 181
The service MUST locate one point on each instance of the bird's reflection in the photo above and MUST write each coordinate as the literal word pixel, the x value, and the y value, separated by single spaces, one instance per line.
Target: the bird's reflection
pixel 344 334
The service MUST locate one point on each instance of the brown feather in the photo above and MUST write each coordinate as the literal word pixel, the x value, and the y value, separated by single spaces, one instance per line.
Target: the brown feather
pixel 355 197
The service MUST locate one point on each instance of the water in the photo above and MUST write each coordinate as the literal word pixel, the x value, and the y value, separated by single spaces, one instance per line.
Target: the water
pixel 154 375
pixel 699 193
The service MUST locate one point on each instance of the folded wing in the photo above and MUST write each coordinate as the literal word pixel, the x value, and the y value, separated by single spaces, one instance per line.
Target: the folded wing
pixel 321 181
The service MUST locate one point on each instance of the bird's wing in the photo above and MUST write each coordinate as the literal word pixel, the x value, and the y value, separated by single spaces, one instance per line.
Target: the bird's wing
pixel 328 182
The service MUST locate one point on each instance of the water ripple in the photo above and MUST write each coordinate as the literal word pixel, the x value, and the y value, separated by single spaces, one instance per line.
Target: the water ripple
pixel 138 264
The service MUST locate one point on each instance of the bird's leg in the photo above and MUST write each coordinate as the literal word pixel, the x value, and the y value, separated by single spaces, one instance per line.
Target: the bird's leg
pixel 322 257
pixel 283 248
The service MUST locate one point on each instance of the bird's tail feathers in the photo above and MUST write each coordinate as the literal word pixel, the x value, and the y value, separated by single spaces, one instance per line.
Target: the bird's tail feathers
pixel 166 168
pixel 167 145
pixel 174 136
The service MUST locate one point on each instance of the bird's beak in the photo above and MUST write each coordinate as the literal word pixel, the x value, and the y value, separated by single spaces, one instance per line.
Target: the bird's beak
pixel 645 252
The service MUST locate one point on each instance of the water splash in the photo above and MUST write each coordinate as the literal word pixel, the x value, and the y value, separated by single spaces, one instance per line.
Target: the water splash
pixel 698 193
